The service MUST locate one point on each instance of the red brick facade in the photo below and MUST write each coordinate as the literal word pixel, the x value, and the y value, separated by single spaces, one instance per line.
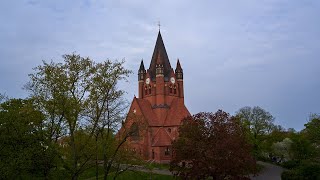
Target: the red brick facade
pixel 160 105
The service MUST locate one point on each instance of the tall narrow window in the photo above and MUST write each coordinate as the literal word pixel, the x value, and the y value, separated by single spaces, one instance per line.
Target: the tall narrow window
pixel 167 151
pixel 152 154
pixel 149 90
pixel 134 131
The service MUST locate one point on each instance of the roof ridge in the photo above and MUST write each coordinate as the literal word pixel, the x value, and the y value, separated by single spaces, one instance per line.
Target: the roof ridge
pixel 141 110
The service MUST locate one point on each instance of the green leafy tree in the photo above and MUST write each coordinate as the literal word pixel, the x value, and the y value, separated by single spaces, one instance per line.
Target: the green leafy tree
pixel 107 109
pixel 2 97
pixel 302 148
pixel 283 148
pixel 77 95
pixel 312 129
pixel 260 123
pixel 24 147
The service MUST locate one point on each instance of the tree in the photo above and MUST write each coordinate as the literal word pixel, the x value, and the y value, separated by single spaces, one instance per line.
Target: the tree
pixel 77 95
pixel 260 123
pixel 107 109
pixel 283 148
pixel 312 129
pixel 302 148
pixel 212 145
pixel 24 148
pixel 2 97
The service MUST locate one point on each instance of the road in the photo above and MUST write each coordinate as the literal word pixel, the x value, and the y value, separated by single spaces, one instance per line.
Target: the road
pixel 269 172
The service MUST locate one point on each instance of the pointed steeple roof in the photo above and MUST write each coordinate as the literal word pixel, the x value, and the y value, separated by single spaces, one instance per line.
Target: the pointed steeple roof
pixel 159 56
pixel 141 66
pixel 178 65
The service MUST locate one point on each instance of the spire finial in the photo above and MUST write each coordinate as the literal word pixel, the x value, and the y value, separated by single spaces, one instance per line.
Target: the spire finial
pixel 159 25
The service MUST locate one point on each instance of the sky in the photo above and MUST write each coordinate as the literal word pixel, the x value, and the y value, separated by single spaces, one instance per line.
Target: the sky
pixel 234 53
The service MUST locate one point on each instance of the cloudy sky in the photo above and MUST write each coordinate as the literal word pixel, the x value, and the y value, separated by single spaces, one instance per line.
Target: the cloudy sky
pixel 234 53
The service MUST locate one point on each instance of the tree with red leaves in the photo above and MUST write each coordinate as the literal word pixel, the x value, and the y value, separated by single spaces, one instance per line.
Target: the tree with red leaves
pixel 212 145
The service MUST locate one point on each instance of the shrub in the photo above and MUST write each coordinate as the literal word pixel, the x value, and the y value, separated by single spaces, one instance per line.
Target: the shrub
pixel 291 175
pixel 290 164
pixel 306 170
pixel 310 170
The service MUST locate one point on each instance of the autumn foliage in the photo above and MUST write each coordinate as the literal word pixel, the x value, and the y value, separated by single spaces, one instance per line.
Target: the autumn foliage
pixel 212 145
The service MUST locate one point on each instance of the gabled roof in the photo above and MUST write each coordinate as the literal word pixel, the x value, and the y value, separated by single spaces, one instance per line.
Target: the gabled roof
pixel 176 113
pixel 162 138
pixel 148 113
pixel 159 56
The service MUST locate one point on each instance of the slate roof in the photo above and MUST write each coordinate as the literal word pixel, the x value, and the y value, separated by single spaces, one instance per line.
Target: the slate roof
pixel 148 113
pixel 160 55
pixel 178 66
pixel 176 113
pixel 141 66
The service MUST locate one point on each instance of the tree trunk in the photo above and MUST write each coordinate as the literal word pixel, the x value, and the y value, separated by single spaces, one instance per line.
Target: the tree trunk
pixel 97 165
pixel 74 154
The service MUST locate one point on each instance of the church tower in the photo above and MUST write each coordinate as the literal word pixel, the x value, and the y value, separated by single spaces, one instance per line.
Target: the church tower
pixel 160 103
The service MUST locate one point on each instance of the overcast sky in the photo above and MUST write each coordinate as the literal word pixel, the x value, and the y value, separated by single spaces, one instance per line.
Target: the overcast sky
pixel 234 53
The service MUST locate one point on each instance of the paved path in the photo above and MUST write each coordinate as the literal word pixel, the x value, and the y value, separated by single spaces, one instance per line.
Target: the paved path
pixel 269 172
pixel 154 170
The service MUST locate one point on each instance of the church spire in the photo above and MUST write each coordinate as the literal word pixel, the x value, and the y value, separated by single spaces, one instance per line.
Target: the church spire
pixel 179 71
pixel 160 55
pixel 141 72
pixel 178 65
pixel 141 66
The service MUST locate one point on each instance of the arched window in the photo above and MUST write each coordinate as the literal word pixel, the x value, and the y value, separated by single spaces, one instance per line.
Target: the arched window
pixel 149 89
pixel 170 89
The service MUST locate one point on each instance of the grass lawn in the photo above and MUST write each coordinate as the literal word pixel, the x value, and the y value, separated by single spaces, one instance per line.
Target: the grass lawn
pixel 90 175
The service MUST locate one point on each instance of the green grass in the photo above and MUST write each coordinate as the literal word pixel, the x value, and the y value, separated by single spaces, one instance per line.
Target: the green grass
pixel 90 175
pixel 142 175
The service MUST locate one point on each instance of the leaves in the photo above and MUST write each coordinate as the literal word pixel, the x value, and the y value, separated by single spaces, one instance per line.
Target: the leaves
pixel 212 144
pixel 24 147
pixel 80 99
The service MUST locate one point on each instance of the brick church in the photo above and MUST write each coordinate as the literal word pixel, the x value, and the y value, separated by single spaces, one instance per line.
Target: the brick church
pixel 160 107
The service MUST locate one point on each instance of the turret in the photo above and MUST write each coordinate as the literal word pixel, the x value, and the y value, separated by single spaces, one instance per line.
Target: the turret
pixel 141 77
pixel 141 72
pixel 179 71
pixel 179 75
